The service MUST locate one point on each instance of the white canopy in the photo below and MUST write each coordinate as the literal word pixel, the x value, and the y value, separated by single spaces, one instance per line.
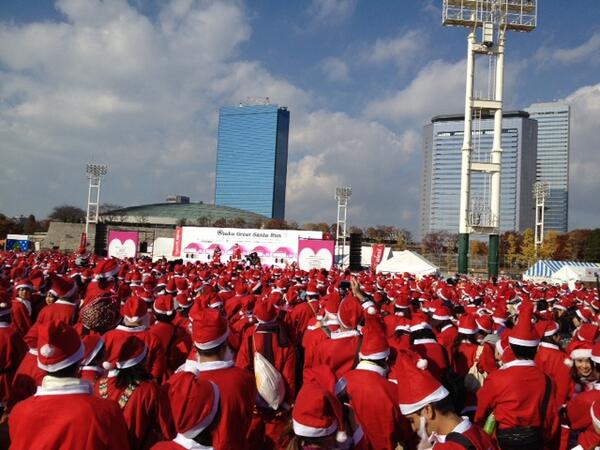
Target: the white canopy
pixel 407 261
pixel 570 274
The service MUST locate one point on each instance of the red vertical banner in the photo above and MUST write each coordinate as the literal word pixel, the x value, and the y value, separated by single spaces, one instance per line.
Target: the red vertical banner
pixel 82 243
pixel 377 255
pixel 177 241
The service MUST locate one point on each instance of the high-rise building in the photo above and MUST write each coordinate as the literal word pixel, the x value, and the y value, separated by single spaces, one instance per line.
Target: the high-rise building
pixel 553 160
pixel 440 190
pixel 252 156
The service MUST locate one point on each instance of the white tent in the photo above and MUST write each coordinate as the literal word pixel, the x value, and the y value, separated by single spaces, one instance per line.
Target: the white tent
pixel 365 255
pixel 570 274
pixel 407 261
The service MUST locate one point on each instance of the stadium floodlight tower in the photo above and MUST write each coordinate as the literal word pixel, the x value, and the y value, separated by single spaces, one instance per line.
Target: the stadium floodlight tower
pixel 94 172
pixel 492 18
pixel 541 191
pixel 342 194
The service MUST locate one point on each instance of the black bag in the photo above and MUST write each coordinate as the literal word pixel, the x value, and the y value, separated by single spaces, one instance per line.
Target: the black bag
pixel 460 439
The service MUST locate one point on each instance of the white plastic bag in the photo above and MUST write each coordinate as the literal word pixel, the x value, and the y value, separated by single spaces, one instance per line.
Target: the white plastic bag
pixel 269 382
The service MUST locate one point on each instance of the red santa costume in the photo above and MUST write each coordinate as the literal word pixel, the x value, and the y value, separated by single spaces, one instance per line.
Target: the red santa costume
pixel 194 405
pixel 448 332
pixel 340 351
pixel 65 308
pixel 519 391
pixel 590 438
pixel 237 386
pixel 137 399
pixel 28 375
pixel 12 351
pixel 373 398
pixel 428 348
pixel 576 411
pixel 21 315
pixel 79 420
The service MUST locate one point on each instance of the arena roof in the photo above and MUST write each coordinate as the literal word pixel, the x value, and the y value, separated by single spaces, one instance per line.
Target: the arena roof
pixel 172 213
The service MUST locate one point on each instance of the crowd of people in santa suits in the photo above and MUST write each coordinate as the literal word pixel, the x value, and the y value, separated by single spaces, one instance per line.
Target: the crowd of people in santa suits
pixel 101 353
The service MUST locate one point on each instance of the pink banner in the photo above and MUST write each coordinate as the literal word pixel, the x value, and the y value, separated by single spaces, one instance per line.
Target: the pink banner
pixel 123 244
pixel 315 254
pixel 177 241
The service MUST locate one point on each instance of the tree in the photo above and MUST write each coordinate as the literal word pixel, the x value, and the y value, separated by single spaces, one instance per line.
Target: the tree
pixel 67 213
pixel 577 243
pixel 435 242
pixel 30 226
pixel 549 247
pixel 220 223
pixel 238 222
pixel 592 246
pixel 512 248
pixel 478 248
pixel 527 254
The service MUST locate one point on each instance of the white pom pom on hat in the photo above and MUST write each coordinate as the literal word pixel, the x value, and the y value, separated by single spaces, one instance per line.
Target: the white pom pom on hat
pixel 107 365
pixel 422 364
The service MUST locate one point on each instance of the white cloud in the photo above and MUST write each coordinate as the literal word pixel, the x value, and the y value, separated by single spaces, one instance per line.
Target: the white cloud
pixel 330 12
pixel 588 52
pixel 335 69
pixel 398 50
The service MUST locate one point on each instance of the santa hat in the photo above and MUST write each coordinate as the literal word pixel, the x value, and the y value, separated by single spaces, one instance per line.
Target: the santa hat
pixel 500 314
pixel 265 311
pixel 578 350
pixel 419 322
pixel 586 332
pixel 467 324
pixel 164 304
pixel 418 387
pixel 318 412
pixel 107 268
pixel 523 333
pixel 312 288
pixel 441 313
pixel 63 287
pixel 374 345
pixel 546 328
pixel 209 329
pixel 23 283
pixel 350 312
pixel 485 323
pixel 125 351
pixel 135 309
pixel 92 344
pixel 585 314
pixel 193 403
pixel 59 346
pixel 183 300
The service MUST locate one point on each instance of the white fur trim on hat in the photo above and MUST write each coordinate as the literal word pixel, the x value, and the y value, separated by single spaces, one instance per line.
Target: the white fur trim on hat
pixel 523 342
pixel 306 431
pixel 409 408
pixel 133 361
pixel 581 353
pixel 420 326
pixel 93 353
pixel 375 356
pixel 195 431
pixel 467 330
pixel 212 344
pixel 160 311
pixel 75 357
pixel 436 317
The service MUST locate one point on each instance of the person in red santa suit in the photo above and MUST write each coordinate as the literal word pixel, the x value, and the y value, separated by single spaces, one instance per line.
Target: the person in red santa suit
pixel 424 343
pixel 590 438
pixel 271 338
pixel 12 351
pixel 21 306
pixel 305 312
pixel 212 361
pixel 520 395
pixel 372 397
pixel 63 414
pixel 429 409
pixel 194 405
pixel 91 365
pixel 61 300
pixel 28 375
pixel 104 280
pixel 320 328
pixel 135 322
pixel 129 384
pixel 445 331
pixel 175 341
pixel 340 351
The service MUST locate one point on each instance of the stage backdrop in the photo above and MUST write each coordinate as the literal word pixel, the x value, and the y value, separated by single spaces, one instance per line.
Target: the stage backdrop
pixel 274 247
pixel 315 254
pixel 122 244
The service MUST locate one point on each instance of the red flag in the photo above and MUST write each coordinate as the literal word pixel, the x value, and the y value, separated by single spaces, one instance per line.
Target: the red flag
pixel 82 243
pixel 177 241
pixel 377 255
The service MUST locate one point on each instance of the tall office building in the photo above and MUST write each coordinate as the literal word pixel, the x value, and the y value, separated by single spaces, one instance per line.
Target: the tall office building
pixel 440 190
pixel 553 160
pixel 252 156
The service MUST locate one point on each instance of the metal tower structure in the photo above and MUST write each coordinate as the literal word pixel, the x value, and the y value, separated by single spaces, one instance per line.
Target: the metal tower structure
pixel 342 194
pixel 492 19
pixel 541 191
pixel 94 172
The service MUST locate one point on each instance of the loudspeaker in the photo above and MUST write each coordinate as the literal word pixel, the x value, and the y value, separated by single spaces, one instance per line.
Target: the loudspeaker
pixel 143 247
pixel 355 252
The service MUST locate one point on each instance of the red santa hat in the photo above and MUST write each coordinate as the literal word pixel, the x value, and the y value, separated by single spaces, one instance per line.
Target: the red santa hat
pixel 467 324
pixel 350 312
pixel 418 387
pixel 419 322
pixel 586 332
pixel 59 346
pixel 441 313
pixel 135 309
pixel 523 333
pixel 193 403
pixel 265 311
pixel 92 344
pixel 485 323
pixel 318 413
pixel 374 345
pixel 585 314
pixel 23 283
pixel 125 351
pixel 107 268
pixel 578 350
pixel 546 328
pixel 209 329
pixel 164 304
pixel 183 300
pixel 312 288
pixel 63 287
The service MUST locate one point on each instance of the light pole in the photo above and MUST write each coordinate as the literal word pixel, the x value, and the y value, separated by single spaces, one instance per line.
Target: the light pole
pixel 94 172
pixel 541 191
pixel 342 194
pixel 492 18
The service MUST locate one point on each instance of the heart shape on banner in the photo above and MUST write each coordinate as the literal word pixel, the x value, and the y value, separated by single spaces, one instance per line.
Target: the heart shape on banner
pixel 120 249
pixel 308 259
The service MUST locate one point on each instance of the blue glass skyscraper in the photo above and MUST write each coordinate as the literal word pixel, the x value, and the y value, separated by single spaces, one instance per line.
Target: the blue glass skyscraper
pixel 252 155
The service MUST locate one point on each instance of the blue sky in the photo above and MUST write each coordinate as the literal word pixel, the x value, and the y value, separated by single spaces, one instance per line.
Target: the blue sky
pixel 138 85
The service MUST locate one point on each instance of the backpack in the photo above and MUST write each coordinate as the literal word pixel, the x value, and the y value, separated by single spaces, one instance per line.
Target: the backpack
pixel 460 439
pixel 269 382
pixel 474 379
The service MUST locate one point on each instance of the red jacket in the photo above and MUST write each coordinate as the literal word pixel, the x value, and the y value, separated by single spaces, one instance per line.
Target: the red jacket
pixel 446 337
pixel 60 310
pixel 26 379
pixel 21 315
pixel 313 335
pixel 434 353
pixel 175 342
pixel 551 360
pixel 465 358
pixel 578 409
pixel 12 351
pixel 77 420
pixel 474 433
pixel 515 395
pixel 140 411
